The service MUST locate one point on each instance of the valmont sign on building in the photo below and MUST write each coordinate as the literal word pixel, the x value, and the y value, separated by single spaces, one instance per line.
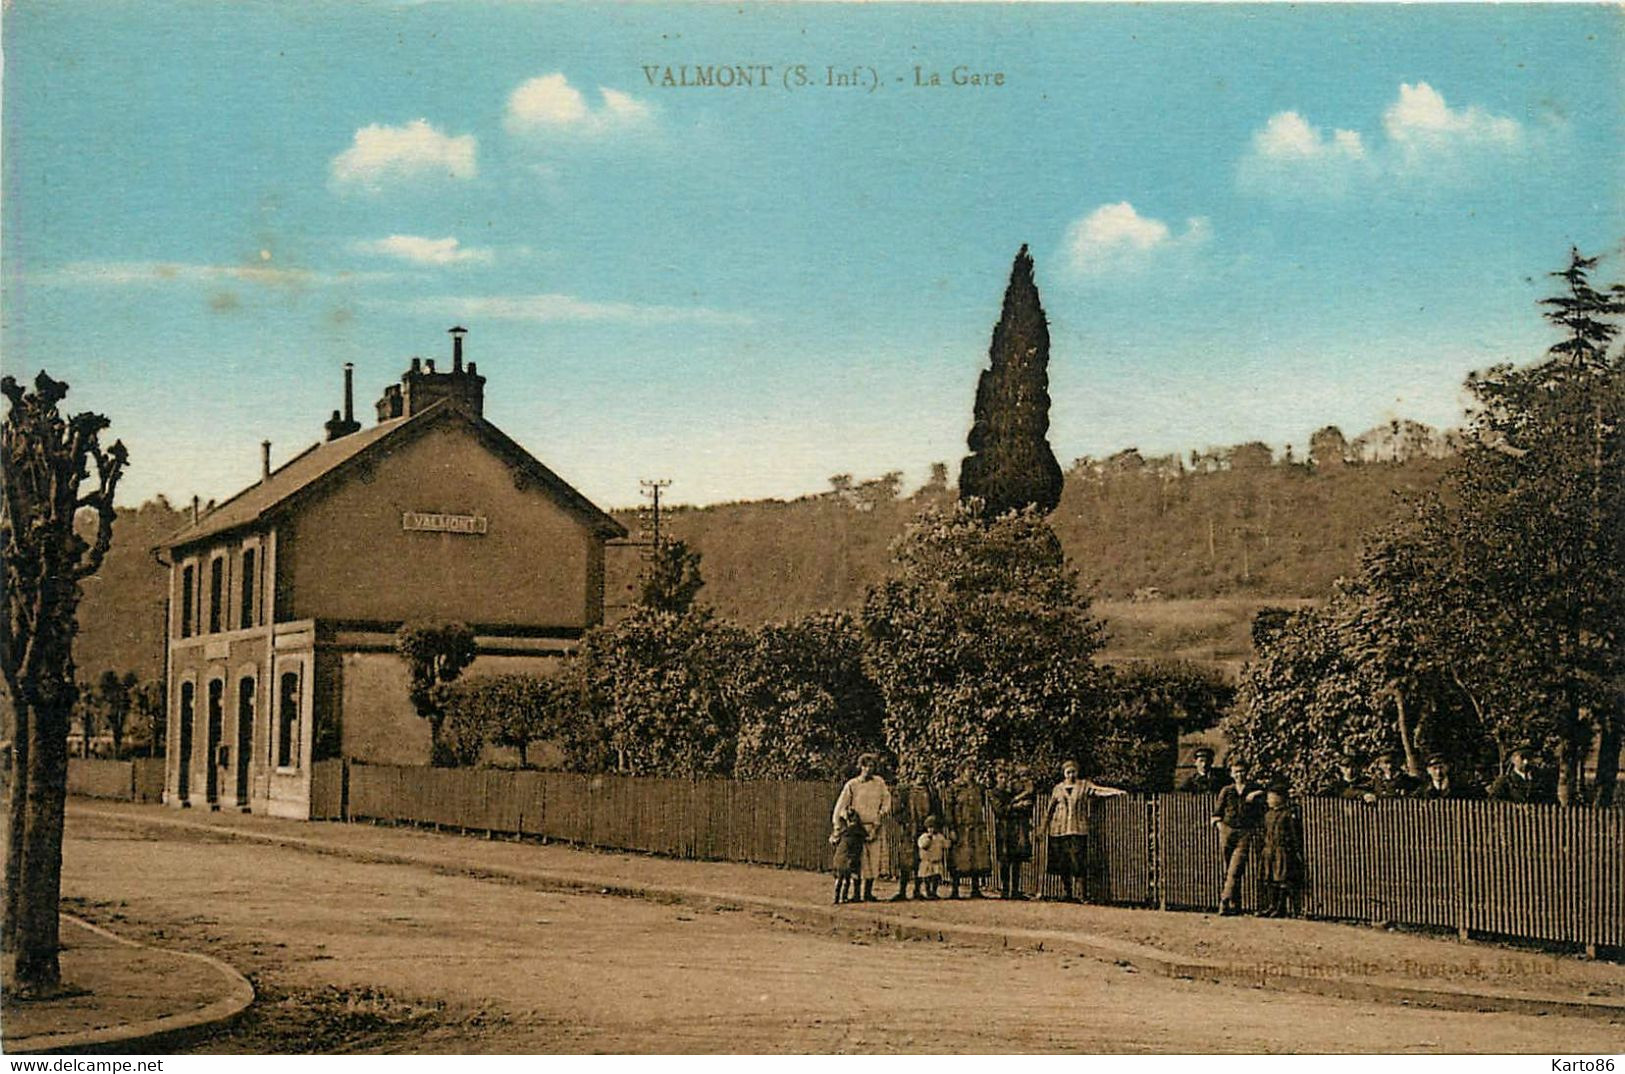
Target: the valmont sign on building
pixel 434 522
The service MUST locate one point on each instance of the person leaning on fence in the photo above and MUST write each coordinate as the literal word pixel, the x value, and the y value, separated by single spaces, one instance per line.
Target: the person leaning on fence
pixel 1206 779
pixel 847 839
pixel 1239 814
pixel 1282 853
pixel 1350 783
pixel 1066 822
pixel 1013 797
pixel 1392 781
pixel 911 805
pixel 1442 784
pixel 971 857
pixel 1521 783
pixel 868 796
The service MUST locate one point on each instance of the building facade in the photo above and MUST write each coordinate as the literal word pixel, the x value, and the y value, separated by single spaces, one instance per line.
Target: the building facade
pixel 284 600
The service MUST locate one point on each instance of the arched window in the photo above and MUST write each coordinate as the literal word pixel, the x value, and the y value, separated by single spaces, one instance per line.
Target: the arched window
pixel 246 617
pixel 287 721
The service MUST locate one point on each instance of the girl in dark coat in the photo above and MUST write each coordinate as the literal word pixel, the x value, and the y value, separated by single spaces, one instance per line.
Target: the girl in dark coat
pixel 1013 818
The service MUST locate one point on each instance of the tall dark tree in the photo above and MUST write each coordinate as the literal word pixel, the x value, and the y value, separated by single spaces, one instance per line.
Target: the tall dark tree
pixel 1011 465
pixel 45 461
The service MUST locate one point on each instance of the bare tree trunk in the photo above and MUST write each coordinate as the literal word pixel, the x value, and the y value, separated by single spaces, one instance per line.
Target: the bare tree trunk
pixel 16 820
pixel 1407 737
pixel 37 968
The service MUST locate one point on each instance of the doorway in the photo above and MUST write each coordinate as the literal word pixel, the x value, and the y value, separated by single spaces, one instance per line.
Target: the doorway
pixel 245 736
pixel 217 716
pixel 184 748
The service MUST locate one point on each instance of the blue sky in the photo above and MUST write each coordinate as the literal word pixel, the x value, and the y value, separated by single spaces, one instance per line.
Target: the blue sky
pixel 1248 221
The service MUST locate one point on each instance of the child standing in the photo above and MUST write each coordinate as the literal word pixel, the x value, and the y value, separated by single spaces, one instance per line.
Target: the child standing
pixel 933 855
pixel 847 839
pixel 1283 852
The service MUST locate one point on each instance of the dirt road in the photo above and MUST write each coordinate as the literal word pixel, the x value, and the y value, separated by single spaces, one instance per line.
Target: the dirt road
pixel 398 958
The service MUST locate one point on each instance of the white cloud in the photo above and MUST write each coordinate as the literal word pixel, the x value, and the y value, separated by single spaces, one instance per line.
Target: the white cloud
pixel 549 104
pixel 424 251
pixel 381 155
pixel 1116 239
pixel 1419 121
pixel 1288 136
pixel 145 273
pixel 550 307
pixel 1422 137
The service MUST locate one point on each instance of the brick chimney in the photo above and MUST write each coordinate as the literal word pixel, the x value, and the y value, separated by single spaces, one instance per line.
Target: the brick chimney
pixel 422 385
pixel 337 426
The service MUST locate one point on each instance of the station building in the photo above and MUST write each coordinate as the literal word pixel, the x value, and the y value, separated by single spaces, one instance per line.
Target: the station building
pixel 285 599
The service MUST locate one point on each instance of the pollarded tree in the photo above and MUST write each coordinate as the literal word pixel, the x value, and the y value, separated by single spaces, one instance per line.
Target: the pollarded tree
pixel 45 461
pixel 982 646
pixel 807 708
pixel 514 710
pixel 435 654
pixel 1011 464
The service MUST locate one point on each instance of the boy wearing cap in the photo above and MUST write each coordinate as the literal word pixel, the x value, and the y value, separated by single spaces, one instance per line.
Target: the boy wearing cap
pixel 1391 780
pixel 1283 852
pixel 1349 783
pixel 1519 783
pixel 1441 784
pixel 1206 779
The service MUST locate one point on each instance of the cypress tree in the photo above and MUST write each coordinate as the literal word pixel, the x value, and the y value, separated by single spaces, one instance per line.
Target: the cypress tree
pixel 1011 465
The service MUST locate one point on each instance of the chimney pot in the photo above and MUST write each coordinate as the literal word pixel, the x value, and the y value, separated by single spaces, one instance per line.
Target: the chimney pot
pixel 428 363
pixel 417 364
pixel 194 509
pixel 457 334
pixel 349 392
pixel 265 460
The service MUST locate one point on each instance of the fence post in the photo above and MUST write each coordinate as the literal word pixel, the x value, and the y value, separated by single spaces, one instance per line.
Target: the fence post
pixel 1153 856
pixel 1458 835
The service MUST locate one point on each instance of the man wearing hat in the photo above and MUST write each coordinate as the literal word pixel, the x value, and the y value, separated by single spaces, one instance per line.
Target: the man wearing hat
pixel 1350 782
pixel 1392 781
pixel 1519 784
pixel 1441 784
pixel 1206 779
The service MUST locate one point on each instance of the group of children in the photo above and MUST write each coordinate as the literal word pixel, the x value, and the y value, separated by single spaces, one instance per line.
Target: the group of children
pixel 848 839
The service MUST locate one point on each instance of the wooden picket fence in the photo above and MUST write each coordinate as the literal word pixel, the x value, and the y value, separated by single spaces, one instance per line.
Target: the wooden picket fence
pixel 1533 872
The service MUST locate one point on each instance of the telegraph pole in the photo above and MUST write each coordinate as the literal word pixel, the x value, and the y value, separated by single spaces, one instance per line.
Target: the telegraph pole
pixel 651 489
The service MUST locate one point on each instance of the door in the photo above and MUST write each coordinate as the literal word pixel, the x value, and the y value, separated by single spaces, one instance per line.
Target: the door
pixel 245 736
pixel 211 761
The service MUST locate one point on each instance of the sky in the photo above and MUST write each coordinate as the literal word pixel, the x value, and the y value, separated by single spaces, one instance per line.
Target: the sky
pixel 1248 222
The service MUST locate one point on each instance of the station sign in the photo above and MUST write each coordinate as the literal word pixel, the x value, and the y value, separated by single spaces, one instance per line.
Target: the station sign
pixel 435 522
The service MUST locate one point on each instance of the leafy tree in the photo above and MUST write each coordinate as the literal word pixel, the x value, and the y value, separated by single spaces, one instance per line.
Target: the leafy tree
pixel 1011 465
pixel 807 708
pixel 658 687
pixel 45 482
pixel 982 646
pixel 1328 449
pixel 673 577
pixel 435 654
pixel 149 707
pixel 512 710
pixel 1304 699
pixel 114 701
pixel 1540 491
pixel 1151 706
pixel 86 716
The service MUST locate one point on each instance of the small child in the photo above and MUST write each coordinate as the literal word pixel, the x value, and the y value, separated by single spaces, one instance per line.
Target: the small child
pixel 1283 852
pixel 933 855
pixel 847 839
